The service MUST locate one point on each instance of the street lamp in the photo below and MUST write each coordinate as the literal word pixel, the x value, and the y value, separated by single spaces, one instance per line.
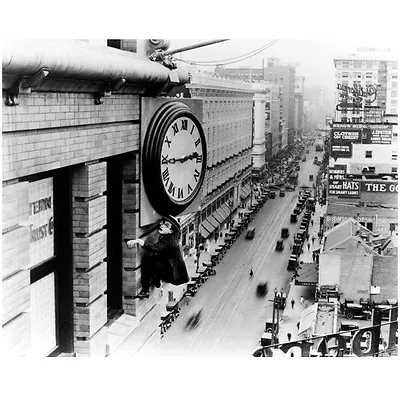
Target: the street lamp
pixel 198 239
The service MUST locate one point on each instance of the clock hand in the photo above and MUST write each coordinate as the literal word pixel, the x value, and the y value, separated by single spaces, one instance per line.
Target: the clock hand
pixel 183 159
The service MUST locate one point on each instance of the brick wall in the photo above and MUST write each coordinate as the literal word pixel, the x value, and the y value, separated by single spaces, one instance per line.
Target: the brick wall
pixel 53 130
pixel 89 252
pixel 15 278
pixel 355 270
pixel 130 229
pixel 385 275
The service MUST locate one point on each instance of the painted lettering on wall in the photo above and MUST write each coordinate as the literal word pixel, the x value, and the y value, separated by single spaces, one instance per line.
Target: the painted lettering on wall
pixel 42 231
pixel 41 220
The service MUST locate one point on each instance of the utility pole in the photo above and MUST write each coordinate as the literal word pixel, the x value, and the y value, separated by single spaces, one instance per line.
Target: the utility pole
pixel 273 318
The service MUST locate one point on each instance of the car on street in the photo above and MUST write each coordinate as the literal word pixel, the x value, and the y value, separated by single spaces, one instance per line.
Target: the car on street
pixel 284 233
pixel 272 195
pixel 281 193
pixel 304 159
pixel 279 245
pixel 352 310
pixel 251 231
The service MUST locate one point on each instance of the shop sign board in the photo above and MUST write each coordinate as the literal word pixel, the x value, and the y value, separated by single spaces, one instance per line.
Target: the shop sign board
pixel 342 140
pixel 377 134
pixel 379 186
pixel 341 186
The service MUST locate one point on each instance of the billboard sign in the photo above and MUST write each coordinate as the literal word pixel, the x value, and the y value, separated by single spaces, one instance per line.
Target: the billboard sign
pixel 379 186
pixel 341 186
pixel 377 134
pixel 342 140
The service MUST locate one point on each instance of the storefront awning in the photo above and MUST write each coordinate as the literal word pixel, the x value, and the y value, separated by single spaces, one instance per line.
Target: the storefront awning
pixel 218 217
pixel 213 220
pixel 208 226
pixel 244 194
pixel 223 213
pixel 225 208
pixel 204 232
pixel 307 275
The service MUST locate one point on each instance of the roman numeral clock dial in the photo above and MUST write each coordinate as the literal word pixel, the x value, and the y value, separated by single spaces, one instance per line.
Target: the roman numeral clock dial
pixel 174 158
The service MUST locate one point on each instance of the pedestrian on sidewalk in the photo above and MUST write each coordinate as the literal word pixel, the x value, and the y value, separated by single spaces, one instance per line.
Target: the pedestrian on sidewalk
pixel 216 235
pixel 298 325
pixel 251 273
pixel 301 300
pixel 313 239
pixel 307 236
pixel 289 335
pixel 308 246
pixel 312 222
pixel 293 301
pixel 313 257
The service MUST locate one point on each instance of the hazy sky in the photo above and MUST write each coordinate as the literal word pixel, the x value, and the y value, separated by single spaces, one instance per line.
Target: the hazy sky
pixel 314 59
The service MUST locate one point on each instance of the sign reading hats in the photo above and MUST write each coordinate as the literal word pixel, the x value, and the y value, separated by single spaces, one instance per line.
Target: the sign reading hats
pixel 173 158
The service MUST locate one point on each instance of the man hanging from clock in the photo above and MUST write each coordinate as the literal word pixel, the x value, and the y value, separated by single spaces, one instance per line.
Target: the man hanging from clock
pixel 162 260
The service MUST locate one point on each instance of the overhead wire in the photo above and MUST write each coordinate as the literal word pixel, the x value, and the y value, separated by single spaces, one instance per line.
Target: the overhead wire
pixel 232 59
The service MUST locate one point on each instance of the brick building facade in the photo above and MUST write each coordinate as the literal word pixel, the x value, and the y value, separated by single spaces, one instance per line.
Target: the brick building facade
pixel 71 125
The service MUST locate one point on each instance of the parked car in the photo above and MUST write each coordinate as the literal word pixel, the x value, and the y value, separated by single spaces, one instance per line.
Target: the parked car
pixel 353 310
pixel 281 193
pixel 272 194
pixel 293 263
pixel 293 218
pixel 266 339
pixel 304 159
pixel 311 177
pixel 348 326
pixel 251 231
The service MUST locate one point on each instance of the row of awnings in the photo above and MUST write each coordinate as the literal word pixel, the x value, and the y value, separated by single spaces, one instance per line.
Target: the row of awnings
pixel 211 223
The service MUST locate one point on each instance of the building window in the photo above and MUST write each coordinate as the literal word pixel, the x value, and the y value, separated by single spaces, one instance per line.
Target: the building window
pixel 369 226
pixel 368 154
pixel 394 170
pixel 394 156
pixel 392 227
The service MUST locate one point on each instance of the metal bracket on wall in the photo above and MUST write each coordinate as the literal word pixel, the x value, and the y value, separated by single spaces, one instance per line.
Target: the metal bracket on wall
pixel 24 84
pixel 108 89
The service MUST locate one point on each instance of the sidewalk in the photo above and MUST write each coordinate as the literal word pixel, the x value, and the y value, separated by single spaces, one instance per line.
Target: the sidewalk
pixel 291 317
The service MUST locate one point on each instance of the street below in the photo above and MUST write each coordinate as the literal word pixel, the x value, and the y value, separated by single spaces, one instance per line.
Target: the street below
pixel 233 316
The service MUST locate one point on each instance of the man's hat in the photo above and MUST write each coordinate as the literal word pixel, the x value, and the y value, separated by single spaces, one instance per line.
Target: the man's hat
pixel 175 223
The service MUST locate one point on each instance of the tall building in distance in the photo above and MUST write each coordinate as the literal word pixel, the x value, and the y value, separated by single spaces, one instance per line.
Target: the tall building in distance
pixel 299 106
pixel 284 75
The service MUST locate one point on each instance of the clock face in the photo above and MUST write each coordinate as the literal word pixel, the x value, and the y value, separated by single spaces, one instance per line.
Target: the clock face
pixel 174 159
pixel 181 159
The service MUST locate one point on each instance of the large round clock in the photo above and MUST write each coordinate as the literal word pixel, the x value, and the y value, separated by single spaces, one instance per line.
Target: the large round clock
pixel 174 158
